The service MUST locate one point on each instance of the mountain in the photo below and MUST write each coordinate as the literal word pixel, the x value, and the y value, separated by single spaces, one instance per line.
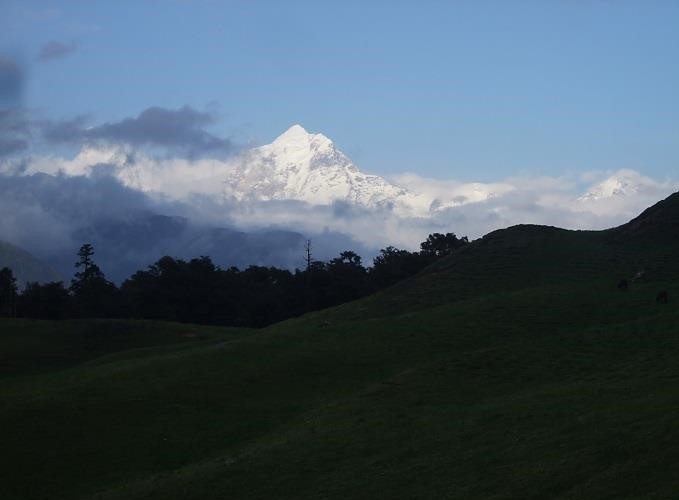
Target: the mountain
pixel 309 167
pixel 123 246
pixel 25 266
pixel 303 182
pixel 300 170
pixel 526 255
pixel 514 368
pixel 298 165
pixel 625 182
pixel 659 223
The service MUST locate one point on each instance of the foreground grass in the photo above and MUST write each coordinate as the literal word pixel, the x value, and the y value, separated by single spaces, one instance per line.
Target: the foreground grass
pixel 34 345
pixel 565 390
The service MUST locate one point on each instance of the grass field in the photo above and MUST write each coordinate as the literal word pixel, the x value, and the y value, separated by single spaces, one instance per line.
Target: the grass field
pixel 514 369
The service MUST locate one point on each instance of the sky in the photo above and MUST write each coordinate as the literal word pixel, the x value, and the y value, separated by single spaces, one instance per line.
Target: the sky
pixel 475 91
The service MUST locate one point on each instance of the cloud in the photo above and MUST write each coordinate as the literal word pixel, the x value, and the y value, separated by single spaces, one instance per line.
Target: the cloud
pixel 41 211
pixel 12 82
pixel 55 50
pixel 471 209
pixel 112 170
pixel 65 131
pixel 594 200
pixel 51 215
pixel 182 129
pixel 558 201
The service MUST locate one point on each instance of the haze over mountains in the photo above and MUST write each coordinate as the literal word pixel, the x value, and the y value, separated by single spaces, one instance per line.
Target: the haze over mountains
pixel 259 205
pixel 25 266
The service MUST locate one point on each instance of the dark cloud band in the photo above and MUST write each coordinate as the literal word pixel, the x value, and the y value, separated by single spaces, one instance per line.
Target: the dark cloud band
pixel 55 50
pixel 182 129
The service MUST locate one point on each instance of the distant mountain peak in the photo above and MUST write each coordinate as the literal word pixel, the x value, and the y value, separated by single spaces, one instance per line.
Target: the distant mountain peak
pixel 299 138
pixel 623 183
pixel 308 167
pixel 293 131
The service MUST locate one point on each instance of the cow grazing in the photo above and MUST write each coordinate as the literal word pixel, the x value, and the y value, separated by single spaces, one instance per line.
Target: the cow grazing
pixel 662 297
pixel 623 285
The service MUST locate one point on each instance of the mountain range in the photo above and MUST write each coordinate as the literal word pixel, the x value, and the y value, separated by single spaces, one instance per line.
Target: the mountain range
pixel 260 205
pixel 309 167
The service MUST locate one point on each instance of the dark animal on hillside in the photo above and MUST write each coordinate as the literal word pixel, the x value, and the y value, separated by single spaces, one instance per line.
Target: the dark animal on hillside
pixel 623 285
pixel 662 297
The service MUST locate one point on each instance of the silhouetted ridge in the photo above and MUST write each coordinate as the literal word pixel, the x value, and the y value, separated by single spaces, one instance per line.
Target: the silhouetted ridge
pixel 661 218
pixel 528 255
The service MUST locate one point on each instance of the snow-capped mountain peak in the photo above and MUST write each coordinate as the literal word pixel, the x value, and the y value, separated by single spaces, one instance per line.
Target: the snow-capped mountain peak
pixel 622 183
pixel 308 167
pixel 296 133
pixel 301 148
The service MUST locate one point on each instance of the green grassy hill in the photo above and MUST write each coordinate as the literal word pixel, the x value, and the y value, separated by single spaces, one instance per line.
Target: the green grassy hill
pixel 512 369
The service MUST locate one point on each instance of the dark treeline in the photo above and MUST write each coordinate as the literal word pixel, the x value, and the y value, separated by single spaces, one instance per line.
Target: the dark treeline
pixel 198 291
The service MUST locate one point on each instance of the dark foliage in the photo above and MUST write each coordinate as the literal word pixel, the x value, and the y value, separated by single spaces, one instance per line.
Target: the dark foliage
pixel 8 292
pixel 45 301
pixel 440 245
pixel 93 294
pixel 393 265
pixel 198 291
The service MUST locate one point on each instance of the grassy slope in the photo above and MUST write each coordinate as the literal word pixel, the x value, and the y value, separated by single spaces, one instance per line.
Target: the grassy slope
pixel 515 369
pixel 28 346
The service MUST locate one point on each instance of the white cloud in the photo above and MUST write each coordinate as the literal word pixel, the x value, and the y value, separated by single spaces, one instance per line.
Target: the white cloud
pixel 593 200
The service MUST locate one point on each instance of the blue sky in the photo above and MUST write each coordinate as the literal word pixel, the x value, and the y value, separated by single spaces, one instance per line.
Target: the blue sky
pixel 465 90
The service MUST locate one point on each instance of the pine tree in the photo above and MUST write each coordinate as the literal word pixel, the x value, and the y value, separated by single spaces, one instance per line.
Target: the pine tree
pixel 94 295
pixel 89 273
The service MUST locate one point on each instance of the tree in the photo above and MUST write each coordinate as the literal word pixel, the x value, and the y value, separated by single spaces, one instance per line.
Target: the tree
pixel 85 253
pixel 347 258
pixel 93 294
pixel 348 278
pixel 307 257
pixel 44 301
pixel 392 265
pixel 8 292
pixel 89 272
pixel 438 245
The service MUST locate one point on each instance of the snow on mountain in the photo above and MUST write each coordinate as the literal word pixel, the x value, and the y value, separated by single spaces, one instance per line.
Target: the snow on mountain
pixel 250 190
pixel 297 165
pixel 308 167
pixel 623 194
pixel 622 183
